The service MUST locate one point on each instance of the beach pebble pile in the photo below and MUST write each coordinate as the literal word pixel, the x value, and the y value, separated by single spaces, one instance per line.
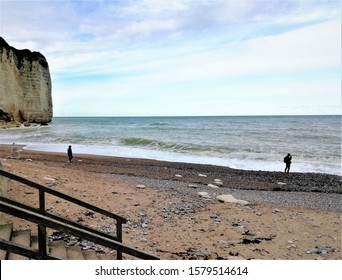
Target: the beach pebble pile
pixel 203 193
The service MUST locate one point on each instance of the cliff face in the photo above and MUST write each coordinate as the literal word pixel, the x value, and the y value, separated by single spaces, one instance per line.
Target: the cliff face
pixel 25 86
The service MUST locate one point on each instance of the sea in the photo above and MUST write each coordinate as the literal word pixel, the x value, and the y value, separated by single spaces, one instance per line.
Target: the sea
pixel 243 142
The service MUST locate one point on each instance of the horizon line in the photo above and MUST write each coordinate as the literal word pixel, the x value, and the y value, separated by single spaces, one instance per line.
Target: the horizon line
pixel 193 116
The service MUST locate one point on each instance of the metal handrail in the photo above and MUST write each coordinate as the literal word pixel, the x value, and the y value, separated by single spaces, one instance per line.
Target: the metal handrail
pixel 59 225
pixel 42 211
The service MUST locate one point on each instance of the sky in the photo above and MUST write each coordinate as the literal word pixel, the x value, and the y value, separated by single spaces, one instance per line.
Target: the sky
pixel 184 57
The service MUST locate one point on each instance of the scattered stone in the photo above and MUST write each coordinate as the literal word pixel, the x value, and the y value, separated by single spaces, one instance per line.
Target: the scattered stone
pixel 89 214
pixel 258 213
pixel 28 159
pixel 29 193
pixel 233 254
pixel 250 241
pixel 202 175
pixel 213 186
pixel 204 195
pixel 275 210
pixel 322 250
pixel 178 175
pixel 282 184
pixel 214 216
pixel 218 182
pixel 193 186
pixel 231 199
pixel 140 186
pixel 51 179
pixel 79 160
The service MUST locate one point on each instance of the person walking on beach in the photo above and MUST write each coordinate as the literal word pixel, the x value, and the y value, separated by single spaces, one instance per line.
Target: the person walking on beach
pixel 287 161
pixel 69 153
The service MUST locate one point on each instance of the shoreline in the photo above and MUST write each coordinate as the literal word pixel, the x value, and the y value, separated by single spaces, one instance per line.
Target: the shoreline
pixel 160 169
pixel 167 217
pixel 137 152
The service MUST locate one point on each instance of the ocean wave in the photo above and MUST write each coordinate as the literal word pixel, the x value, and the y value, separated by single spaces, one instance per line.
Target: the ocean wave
pixel 160 145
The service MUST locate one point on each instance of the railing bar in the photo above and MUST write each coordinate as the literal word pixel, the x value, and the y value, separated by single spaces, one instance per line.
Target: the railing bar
pixel 119 233
pixel 10 247
pixel 61 219
pixel 48 222
pixel 41 201
pixel 42 244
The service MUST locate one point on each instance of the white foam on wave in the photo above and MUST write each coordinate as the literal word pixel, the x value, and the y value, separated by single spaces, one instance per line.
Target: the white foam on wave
pixel 237 163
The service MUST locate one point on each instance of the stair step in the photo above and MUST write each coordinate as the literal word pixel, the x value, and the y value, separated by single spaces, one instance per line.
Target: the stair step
pixel 22 237
pixel 57 249
pixel 5 233
pixel 90 255
pixel 74 253
pixel 105 257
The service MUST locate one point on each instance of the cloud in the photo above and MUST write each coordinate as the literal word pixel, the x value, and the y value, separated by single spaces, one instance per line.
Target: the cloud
pixel 138 55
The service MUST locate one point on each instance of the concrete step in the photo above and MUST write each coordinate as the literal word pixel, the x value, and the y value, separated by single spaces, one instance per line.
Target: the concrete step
pixel 22 237
pixel 57 249
pixel 74 253
pixel 5 233
pixel 105 257
pixel 90 255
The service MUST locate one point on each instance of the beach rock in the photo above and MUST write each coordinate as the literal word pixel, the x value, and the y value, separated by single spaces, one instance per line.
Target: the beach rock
pixel 213 186
pixel 258 213
pixel 231 199
pixel 320 250
pixel 204 195
pixel 218 182
pixel 50 179
pixel 144 225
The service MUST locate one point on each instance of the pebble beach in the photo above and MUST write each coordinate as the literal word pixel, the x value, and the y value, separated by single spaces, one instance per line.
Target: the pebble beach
pixel 178 210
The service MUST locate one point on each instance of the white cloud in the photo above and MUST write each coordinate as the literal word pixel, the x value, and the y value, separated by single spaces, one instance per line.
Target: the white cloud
pixel 133 53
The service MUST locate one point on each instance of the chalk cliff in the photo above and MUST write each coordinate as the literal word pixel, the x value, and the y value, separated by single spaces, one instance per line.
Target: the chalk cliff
pixel 25 86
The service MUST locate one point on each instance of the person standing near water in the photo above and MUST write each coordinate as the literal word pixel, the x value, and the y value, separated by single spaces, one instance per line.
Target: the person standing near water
pixel 287 161
pixel 69 153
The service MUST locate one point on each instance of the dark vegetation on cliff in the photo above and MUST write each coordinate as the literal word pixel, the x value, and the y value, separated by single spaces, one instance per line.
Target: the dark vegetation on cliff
pixel 25 53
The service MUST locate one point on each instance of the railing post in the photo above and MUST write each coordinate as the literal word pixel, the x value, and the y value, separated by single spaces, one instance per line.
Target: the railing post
pixel 119 236
pixel 42 245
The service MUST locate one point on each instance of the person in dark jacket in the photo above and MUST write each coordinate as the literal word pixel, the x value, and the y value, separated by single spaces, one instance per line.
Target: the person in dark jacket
pixel 287 161
pixel 69 153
